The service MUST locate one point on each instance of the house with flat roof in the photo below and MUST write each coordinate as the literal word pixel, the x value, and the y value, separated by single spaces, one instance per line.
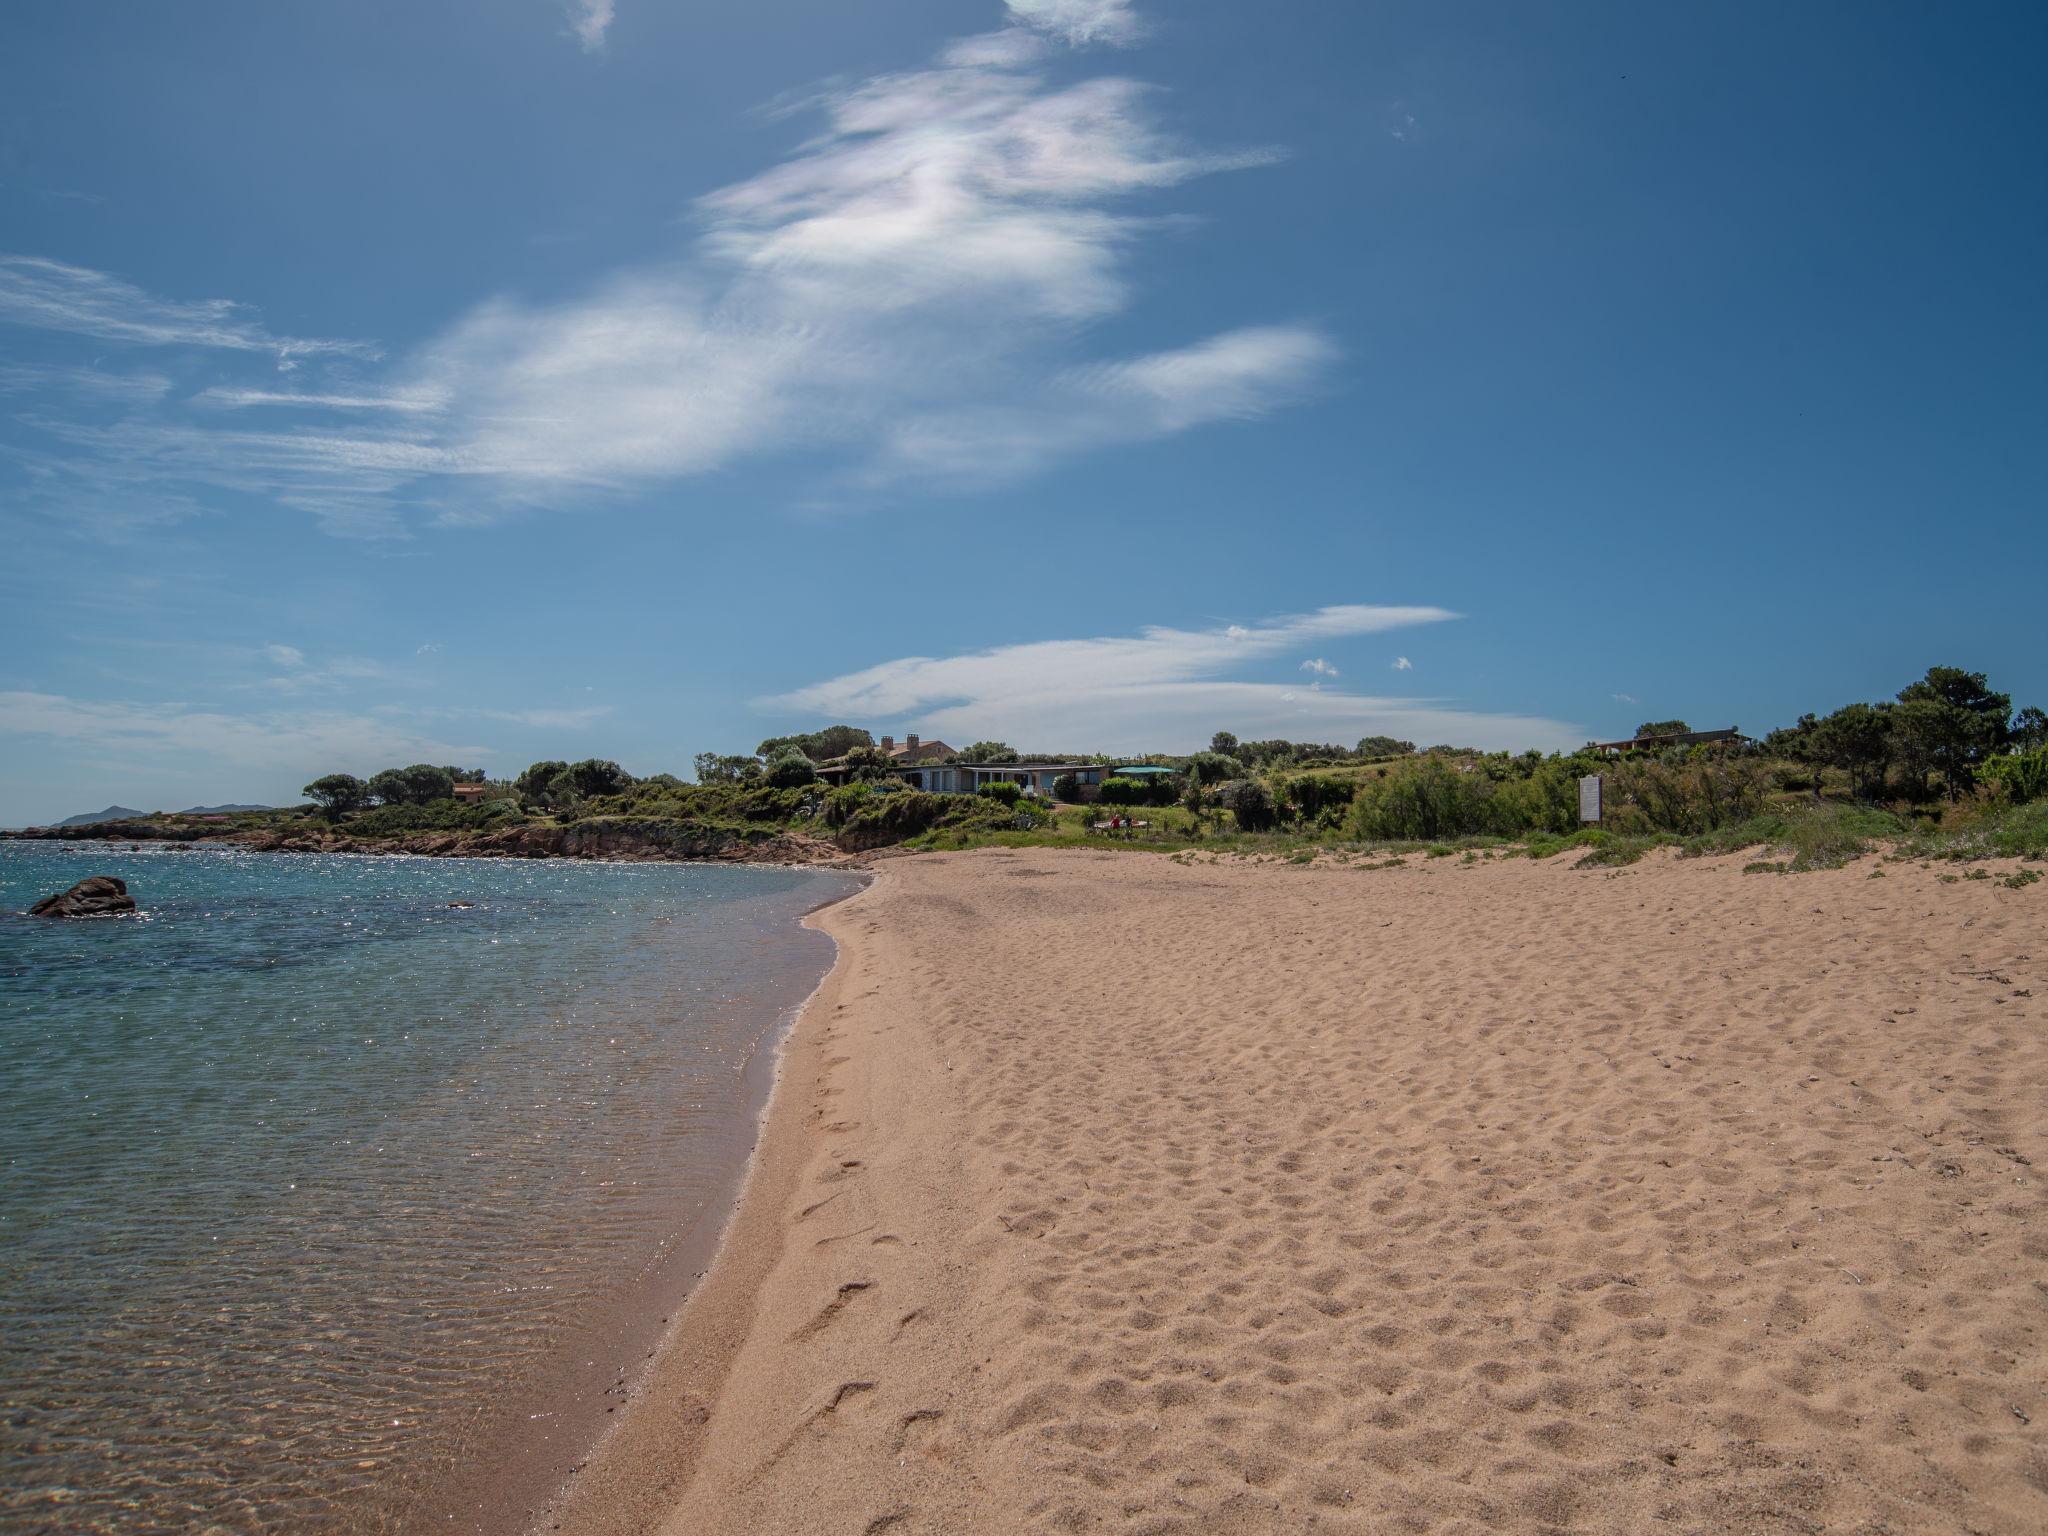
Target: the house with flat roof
pixel 1668 739
pixel 921 765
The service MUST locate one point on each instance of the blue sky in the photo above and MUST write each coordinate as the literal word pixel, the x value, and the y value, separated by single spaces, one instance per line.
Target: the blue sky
pixel 483 382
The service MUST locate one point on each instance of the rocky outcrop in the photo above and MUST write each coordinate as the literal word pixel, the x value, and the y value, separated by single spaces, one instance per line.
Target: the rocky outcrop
pixel 95 896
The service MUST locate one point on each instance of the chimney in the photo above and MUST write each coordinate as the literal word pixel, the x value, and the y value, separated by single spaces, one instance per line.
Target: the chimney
pixel 910 743
pixel 888 743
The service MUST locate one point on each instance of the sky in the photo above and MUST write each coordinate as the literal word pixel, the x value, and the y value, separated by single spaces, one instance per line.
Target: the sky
pixel 481 381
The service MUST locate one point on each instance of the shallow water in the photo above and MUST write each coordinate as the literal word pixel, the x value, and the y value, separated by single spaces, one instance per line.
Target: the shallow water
pixel 304 1171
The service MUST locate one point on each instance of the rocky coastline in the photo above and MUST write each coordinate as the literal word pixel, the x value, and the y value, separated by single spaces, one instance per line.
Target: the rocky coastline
pixel 620 838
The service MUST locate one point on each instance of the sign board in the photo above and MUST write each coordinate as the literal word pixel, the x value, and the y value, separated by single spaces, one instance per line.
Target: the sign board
pixel 1589 797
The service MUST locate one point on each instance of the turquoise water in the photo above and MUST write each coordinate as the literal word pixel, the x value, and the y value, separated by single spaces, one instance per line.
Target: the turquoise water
pixel 308 1173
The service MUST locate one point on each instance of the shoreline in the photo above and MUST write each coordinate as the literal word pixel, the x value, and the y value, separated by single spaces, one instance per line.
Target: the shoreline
pixel 1100 1192
pixel 522 1466
pixel 703 1321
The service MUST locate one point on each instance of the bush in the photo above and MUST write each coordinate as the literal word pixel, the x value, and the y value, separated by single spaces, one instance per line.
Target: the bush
pixel 1067 789
pixel 1121 791
pixel 2018 776
pixel 790 769
pixel 439 816
pixel 1249 801
pixel 1313 797
pixel 1009 794
pixel 1421 802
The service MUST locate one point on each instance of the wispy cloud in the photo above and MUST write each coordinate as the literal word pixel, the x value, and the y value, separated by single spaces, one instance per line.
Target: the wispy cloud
pixel 1626 698
pixel 298 741
pixel 905 297
pixel 1080 22
pixel 52 295
pixel 589 20
pixel 1318 667
pixel 1161 689
pixel 232 399
pixel 285 655
pixel 1402 664
pixel 115 389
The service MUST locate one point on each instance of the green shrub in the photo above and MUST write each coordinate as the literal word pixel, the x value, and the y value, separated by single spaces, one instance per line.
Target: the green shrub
pixel 1817 837
pixel 790 769
pixel 1420 801
pixel 1122 791
pixel 2018 776
pixel 1250 802
pixel 1067 789
pixel 1001 789
pixel 436 816
pixel 1313 797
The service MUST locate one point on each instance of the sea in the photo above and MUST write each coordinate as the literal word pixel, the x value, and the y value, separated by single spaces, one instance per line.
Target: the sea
pixel 344 1193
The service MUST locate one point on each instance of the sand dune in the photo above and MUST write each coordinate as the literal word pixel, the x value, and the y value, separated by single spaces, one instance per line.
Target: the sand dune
pixel 1109 1193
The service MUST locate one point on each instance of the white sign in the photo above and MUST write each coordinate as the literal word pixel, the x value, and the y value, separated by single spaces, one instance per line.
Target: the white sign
pixel 1589 797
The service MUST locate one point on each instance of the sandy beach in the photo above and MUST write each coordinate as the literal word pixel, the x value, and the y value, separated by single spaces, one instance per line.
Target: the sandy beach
pixel 1105 1192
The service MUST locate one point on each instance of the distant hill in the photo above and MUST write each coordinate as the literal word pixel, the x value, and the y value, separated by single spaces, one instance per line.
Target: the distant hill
pixel 123 813
pixel 111 813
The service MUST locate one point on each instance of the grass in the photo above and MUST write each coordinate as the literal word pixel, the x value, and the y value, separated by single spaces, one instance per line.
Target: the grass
pixel 1816 837
pixel 2015 832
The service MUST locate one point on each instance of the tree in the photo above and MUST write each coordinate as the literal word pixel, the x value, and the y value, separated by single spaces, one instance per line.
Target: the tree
pixel 414 785
pixel 819 746
pixel 1224 744
pixel 1385 746
pixel 337 794
pixel 1662 728
pixel 466 775
pixel 1192 798
pixel 790 769
pixel 1215 767
pixel 1856 738
pixel 2029 730
pixel 533 784
pixel 1249 802
pixel 1951 720
pixel 1067 789
pixel 866 765
pixel 712 768
pixel 596 776
pixel 994 752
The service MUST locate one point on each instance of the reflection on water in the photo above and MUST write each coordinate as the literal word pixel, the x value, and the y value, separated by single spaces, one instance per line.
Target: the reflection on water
pixel 302 1169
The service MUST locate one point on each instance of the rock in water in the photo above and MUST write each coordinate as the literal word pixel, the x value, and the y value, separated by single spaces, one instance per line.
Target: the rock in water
pixel 95 896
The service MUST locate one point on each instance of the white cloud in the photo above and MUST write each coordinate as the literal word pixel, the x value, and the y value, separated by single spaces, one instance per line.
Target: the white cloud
pixel 1402 664
pixel 589 20
pixel 242 399
pixel 1626 698
pixel 906 296
pixel 285 655
pixel 1080 22
pixel 1319 667
pixel 1162 689
pixel 52 295
pixel 117 389
pixel 292 741
pixel 1156 655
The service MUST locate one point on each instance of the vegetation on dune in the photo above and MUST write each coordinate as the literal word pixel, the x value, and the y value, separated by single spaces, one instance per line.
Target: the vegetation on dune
pixel 1944 770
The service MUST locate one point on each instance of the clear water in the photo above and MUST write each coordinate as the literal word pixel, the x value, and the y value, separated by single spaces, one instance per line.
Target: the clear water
pixel 305 1170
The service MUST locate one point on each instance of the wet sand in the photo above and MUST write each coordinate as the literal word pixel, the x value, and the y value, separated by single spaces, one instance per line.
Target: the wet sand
pixel 1107 1193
